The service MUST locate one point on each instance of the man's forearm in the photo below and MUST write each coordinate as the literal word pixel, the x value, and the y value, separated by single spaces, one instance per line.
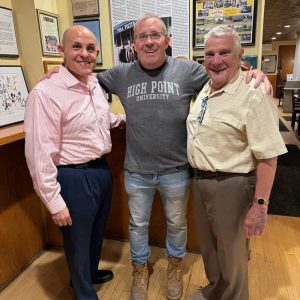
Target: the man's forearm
pixel 266 169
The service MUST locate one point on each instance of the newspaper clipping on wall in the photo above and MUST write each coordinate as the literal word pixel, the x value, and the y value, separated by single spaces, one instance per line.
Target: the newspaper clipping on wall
pixel 124 14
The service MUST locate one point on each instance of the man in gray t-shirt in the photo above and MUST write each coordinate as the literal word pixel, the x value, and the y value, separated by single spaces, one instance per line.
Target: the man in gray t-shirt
pixel 156 103
pixel 156 92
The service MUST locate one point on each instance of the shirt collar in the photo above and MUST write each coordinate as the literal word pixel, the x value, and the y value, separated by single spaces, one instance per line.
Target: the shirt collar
pixel 230 88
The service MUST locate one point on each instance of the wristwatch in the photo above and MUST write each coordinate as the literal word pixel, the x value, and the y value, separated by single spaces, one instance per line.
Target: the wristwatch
pixel 261 201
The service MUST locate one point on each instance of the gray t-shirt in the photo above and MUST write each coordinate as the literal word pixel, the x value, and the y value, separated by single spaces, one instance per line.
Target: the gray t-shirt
pixel 156 104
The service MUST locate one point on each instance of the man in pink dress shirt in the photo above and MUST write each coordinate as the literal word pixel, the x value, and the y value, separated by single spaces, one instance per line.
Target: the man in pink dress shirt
pixel 67 133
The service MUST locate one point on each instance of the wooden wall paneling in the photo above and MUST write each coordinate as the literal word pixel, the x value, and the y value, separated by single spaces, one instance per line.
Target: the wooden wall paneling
pixel 117 226
pixel 22 230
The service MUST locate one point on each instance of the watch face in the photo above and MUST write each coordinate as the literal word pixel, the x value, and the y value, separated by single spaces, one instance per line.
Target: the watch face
pixel 260 201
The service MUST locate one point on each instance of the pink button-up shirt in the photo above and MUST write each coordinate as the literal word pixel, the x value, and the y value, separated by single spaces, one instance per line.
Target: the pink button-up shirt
pixel 66 122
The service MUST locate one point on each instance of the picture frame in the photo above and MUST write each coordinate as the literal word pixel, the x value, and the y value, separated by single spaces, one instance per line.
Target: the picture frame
pixel 251 59
pixel 49 64
pixel 85 8
pixel 107 95
pixel 94 26
pixel 239 14
pixel 49 32
pixel 8 41
pixel 269 64
pixel 13 94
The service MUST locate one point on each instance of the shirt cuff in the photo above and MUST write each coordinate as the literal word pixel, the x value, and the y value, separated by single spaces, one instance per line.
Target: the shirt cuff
pixel 123 117
pixel 56 205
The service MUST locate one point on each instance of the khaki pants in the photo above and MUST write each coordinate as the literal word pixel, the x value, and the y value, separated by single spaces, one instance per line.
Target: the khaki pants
pixel 221 204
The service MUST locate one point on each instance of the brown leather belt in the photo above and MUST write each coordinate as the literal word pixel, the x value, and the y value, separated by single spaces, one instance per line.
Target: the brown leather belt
pixel 201 174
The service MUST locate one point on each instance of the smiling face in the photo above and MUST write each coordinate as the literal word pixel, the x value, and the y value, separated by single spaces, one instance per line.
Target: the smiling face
pixel 79 52
pixel 221 60
pixel 151 52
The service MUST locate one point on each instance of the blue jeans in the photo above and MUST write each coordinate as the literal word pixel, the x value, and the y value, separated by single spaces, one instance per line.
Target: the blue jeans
pixel 174 189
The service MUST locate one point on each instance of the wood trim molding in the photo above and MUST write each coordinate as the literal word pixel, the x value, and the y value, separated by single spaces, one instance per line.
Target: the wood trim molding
pixel 11 133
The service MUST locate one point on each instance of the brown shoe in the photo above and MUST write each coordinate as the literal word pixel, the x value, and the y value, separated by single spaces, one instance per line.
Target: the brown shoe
pixel 139 281
pixel 174 288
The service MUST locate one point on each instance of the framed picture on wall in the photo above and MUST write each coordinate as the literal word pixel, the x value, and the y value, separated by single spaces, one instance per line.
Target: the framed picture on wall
pixel 49 32
pixel 94 27
pixel 13 93
pixel 85 8
pixel 8 42
pixel 240 14
pixel 48 64
pixel 269 63
pixel 251 59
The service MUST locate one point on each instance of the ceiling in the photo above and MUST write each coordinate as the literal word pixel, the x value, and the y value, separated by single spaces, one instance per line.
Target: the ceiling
pixel 277 14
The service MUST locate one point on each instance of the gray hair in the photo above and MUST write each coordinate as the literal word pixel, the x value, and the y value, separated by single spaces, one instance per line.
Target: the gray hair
pixel 150 16
pixel 222 30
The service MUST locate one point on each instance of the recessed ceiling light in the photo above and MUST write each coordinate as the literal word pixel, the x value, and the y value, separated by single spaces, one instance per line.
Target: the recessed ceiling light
pixel 278 33
pixel 273 38
pixel 287 26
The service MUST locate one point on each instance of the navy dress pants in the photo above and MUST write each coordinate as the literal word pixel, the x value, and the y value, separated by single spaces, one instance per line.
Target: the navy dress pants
pixel 87 192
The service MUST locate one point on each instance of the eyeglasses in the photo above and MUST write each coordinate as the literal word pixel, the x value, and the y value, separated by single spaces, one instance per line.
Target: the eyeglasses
pixel 202 111
pixel 155 35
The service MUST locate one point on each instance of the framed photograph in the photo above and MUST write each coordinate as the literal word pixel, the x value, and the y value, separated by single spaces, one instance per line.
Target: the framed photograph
pixel 48 64
pixel 85 8
pixel 13 93
pixel 269 63
pixel 107 95
pixel 8 42
pixel 251 59
pixel 94 27
pixel 49 32
pixel 239 14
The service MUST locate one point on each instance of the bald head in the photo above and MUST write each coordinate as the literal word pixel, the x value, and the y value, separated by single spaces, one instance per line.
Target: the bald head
pixel 76 30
